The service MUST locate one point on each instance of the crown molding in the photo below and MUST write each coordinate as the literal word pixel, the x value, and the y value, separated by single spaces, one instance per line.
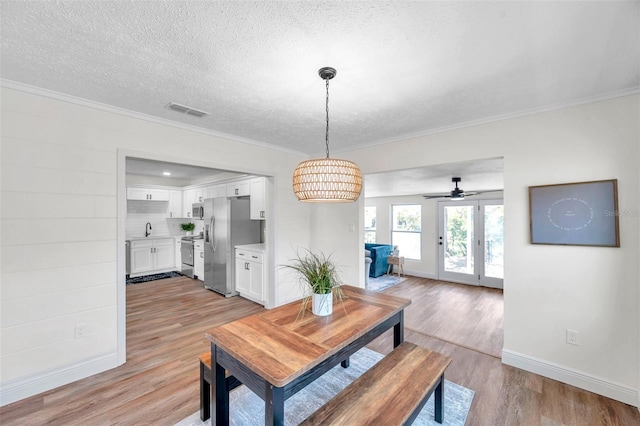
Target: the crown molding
pixel 34 90
pixel 10 84
pixel 487 120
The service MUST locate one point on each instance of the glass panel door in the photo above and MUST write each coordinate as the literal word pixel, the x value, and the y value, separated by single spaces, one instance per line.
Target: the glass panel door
pixel 492 224
pixel 456 241
pixel 471 242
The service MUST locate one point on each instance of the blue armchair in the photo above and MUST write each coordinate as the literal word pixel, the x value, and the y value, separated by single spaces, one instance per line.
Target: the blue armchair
pixel 379 254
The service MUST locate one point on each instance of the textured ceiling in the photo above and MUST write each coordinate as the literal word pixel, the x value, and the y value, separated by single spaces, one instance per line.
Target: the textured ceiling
pixel 184 173
pixel 478 175
pixel 404 68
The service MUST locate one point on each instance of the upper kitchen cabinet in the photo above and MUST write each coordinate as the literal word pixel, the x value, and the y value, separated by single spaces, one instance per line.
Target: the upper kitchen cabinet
pixel 238 189
pixel 149 194
pixel 188 197
pixel 217 191
pixel 199 194
pixel 257 206
pixel 175 204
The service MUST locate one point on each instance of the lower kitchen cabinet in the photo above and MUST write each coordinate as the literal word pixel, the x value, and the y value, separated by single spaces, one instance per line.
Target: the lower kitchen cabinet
pixel 250 274
pixel 152 255
pixel 198 259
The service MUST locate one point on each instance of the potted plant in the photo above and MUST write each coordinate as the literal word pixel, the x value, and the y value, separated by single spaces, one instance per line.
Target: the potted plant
pixel 188 227
pixel 319 276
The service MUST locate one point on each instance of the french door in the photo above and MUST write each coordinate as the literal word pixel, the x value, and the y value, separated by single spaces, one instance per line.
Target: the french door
pixel 471 242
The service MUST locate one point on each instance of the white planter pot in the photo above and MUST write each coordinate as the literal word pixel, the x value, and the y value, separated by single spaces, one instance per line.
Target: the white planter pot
pixel 322 304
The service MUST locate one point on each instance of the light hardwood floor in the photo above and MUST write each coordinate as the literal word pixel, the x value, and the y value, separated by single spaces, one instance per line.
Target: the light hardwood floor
pixel 166 322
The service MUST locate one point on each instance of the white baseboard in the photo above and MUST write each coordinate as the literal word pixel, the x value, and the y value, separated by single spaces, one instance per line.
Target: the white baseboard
pixel 572 377
pixel 25 387
pixel 420 274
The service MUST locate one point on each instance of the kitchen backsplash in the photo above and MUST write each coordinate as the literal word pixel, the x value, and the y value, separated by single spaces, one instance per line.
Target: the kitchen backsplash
pixel 141 212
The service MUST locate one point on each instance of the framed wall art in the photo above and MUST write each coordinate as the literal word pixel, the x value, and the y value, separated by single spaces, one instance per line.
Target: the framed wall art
pixel 582 213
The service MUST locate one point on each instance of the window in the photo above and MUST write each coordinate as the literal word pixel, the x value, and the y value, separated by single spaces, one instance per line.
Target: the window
pixel 407 229
pixel 369 224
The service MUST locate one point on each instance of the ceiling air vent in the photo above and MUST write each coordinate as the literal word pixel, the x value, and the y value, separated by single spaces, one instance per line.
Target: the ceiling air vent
pixel 186 110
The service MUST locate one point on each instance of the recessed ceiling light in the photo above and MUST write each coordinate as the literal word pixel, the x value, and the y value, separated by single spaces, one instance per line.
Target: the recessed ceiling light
pixel 166 173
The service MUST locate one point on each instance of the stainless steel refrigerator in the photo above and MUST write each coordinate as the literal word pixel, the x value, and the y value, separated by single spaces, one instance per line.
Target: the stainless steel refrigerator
pixel 226 224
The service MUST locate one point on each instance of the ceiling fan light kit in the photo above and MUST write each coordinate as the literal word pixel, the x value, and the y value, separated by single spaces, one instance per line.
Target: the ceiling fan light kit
pixel 327 179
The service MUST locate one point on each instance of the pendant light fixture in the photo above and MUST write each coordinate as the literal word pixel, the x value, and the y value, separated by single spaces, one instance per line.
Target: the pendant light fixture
pixel 327 180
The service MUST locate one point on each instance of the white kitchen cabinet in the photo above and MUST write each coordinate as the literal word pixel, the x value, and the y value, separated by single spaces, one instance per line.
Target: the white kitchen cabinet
pixel 198 259
pixel 257 204
pixel 250 274
pixel 175 204
pixel 141 254
pixel 210 191
pixel 148 194
pixel 164 254
pixel 217 191
pixel 199 194
pixel 187 202
pixel 238 189
pixel 152 255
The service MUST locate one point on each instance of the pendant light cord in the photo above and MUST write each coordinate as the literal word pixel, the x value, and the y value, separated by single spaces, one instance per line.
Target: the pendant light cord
pixel 327 109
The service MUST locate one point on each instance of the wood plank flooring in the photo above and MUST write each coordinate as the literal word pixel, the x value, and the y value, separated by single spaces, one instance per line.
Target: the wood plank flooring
pixel 167 319
pixel 465 315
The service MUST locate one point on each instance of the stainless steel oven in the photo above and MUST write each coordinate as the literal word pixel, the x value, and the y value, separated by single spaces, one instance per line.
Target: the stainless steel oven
pixel 186 253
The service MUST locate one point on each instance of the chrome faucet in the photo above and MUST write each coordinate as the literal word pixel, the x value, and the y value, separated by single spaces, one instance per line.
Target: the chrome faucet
pixel 147 229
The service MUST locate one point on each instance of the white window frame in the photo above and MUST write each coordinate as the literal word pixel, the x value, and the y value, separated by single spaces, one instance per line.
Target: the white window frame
pixel 393 230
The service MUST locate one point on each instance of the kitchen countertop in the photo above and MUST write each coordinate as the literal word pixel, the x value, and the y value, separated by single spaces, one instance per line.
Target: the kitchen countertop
pixel 257 247
pixel 152 237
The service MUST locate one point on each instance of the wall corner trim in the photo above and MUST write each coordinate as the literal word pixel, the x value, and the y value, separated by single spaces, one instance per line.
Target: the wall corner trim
pixel 572 377
pixel 28 386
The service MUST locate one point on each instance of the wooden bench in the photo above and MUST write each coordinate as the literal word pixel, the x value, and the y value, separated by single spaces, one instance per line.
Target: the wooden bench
pixel 205 385
pixel 392 392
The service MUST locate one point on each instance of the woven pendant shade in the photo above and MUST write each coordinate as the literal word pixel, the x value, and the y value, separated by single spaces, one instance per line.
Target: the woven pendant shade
pixel 327 180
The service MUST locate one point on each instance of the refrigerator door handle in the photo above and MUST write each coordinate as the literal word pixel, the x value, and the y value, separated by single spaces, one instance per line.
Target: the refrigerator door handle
pixel 213 233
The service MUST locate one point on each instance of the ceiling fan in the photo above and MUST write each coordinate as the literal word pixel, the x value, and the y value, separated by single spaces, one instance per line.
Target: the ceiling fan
pixel 456 193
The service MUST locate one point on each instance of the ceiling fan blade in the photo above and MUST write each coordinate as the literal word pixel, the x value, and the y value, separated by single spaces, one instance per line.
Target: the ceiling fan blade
pixel 431 196
pixel 481 192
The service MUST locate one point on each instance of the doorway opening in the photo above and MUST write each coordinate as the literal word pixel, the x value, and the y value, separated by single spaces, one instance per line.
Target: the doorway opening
pixel 186 179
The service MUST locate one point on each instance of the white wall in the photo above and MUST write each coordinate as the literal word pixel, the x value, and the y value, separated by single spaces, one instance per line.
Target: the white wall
pixel 63 243
pixel 549 289
pixel 337 230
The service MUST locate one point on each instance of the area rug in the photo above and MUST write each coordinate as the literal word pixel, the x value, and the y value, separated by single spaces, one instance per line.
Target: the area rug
pixel 247 409
pixel 383 281
pixel 153 277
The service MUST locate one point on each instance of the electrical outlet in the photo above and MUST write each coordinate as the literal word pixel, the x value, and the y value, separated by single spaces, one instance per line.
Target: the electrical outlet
pixel 81 330
pixel 572 337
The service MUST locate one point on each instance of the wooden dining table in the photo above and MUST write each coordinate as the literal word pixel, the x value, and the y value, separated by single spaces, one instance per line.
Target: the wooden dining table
pixel 278 352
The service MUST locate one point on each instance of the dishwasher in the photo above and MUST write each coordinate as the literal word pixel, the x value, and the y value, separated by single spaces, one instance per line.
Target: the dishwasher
pixel 186 253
